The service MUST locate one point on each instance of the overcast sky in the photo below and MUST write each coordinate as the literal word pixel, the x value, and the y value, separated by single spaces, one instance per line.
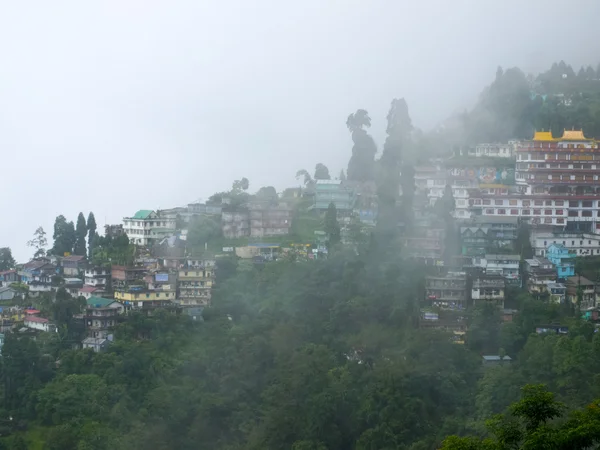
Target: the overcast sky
pixel 119 105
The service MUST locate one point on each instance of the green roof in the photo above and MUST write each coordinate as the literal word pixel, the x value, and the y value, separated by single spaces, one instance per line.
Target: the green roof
pixel 99 302
pixel 142 214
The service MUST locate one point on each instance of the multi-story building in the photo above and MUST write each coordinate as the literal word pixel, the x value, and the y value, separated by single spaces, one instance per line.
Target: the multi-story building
pixel 195 283
pixel 488 289
pixel 506 266
pixel 146 227
pixel 97 277
pixel 73 265
pixel 581 290
pixel 336 192
pixel 123 276
pixel 425 244
pixel 563 259
pixel 447 291
pixel 140 297
pixel 483 234
pixel 581 244
pixel 556 184
pixel 267 219
pixel 235 223
pixel 539 272
pixel 493 150
pixel 557 292
pixel 100 315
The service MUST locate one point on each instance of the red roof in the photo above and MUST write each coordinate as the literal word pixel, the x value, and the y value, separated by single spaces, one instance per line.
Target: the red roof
pixel 88 289
pixel 36 319
pixel 31 311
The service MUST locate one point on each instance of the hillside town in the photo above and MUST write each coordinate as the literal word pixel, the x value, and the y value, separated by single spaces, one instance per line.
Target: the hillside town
pixel 522 216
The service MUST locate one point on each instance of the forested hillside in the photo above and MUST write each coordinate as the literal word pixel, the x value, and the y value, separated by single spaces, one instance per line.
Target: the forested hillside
pixel 305 355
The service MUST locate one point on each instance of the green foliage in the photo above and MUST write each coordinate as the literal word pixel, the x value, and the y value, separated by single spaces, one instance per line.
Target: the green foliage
pixel 64 236
pixel 267 193
pixel 39 242
pixel 113 250
pixel 201 230
pixel 92 233
pixel 362 163
pixel 321 172
pixel 7 261
pixel 80 232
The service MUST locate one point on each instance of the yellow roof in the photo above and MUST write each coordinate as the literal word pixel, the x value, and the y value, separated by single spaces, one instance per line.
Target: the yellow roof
pixel 543 136
pixel 574 135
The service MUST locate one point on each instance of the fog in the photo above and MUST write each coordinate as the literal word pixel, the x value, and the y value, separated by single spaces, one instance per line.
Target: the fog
pixel 116 106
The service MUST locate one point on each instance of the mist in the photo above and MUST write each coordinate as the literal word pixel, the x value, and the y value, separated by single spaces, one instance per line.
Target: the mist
pixel 118 106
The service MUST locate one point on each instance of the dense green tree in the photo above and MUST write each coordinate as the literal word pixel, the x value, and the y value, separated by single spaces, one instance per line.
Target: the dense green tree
pixel 64 236
pixel 399 127
pixel 6 259
pixel 332 227
pixel 308 180
pixel 267 193
pixel 201 230
pixel 92 232
pixel 321 172
pixel 342 175
pixel 529 425
pixel 80 232
pixel 241 185
pixel 39 242
pixel 362 163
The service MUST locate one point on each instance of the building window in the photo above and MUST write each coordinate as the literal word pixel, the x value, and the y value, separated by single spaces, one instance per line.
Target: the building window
pixel 545 243
pixel 489 211
pixel 512 202
pixel 526 203
pixel 501 211
pixel 547 212
pixel 548 202
pixel 526 212
pixel 559 203
pixel 573 214
pixel 537 212
pixel 548 220
pixel 560 220
pixel 498 202
pixel 487 202
pixel 573 203
pixel 573 243
pixel 586 213
pixel 538 203
pixel 514 212
pixel 559 212
pixel 586 203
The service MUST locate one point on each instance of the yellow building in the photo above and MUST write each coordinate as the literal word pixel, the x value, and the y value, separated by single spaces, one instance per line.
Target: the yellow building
pixel 195 285
pixel 133 299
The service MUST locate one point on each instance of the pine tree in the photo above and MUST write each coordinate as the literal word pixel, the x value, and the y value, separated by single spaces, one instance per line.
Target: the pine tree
pixel 91 228
pixel 80 233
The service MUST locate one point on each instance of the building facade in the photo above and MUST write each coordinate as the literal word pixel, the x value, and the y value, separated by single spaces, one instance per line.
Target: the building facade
pixel 563 259
pixel 556 184
pixel 146 227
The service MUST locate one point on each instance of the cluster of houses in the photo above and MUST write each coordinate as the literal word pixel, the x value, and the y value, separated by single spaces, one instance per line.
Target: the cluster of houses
pixel 178 282
pixel 549 186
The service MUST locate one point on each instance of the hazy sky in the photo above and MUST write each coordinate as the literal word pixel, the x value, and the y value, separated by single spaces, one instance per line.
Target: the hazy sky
pixel 119 105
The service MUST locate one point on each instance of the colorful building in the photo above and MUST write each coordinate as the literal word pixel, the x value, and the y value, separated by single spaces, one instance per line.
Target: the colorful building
pixel 556 184
pixel 563 259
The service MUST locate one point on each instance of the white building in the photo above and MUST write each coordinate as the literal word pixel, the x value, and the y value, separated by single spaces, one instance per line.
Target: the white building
pixel 437 186
pixel 504 265
pixel 147 226
pixel 583 244
pixel 493 150
pixel 96 276
pixel 38 323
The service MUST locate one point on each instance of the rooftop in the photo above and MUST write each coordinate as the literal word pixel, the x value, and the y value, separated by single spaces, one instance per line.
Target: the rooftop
pixel 142 214
pixel 496 358
pixel 502 257
pixel 574 135
pixel 88 289
pixel 543 136
pixel 36 319
pixel 99 302
pixel 73 258
pixel 577 280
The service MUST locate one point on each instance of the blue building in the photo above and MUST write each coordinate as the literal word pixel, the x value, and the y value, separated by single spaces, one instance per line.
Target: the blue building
pixel 563 259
